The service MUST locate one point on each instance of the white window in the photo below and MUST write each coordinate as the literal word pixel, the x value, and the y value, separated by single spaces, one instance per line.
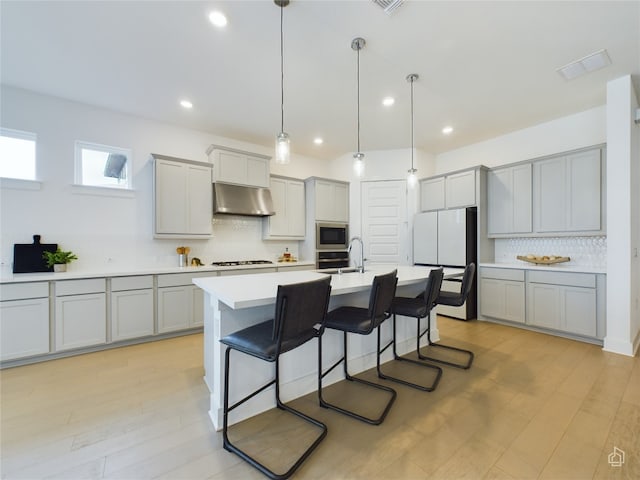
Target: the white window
pixel 17 154
pixel 103 166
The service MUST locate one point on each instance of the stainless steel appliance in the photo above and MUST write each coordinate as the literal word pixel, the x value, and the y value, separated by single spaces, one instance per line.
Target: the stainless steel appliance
pixel 332 259
pixel 448 238
pixel 332 236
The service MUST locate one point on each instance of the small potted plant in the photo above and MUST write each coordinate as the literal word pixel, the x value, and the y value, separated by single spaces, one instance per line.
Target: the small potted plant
pixel 58 259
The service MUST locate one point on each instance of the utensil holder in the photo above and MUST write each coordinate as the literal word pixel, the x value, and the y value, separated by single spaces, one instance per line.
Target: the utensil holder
pixel 183 259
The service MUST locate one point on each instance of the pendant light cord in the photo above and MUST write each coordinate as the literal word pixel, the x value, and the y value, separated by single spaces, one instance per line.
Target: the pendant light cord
pixel 358 96
pixel 281 69
pixel 412 123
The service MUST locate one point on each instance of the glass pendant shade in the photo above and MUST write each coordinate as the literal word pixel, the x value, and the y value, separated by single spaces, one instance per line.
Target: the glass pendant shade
pixel 283 148
pixel 412 179
pixel 358 164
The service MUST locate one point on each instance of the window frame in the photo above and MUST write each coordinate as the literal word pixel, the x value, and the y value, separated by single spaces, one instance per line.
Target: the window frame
pixel 98 147
pixel 22 135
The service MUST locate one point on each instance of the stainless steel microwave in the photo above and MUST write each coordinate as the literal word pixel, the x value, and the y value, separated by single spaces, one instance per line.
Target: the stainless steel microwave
pixel 332 236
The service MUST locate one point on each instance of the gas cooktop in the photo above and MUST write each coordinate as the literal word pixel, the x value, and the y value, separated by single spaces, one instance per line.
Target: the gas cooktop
pixel 233 263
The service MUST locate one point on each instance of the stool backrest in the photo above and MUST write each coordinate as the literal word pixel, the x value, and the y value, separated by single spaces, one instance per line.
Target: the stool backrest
pixel 383 290
pixel 300 314
pixel 467 281
pixel 434 284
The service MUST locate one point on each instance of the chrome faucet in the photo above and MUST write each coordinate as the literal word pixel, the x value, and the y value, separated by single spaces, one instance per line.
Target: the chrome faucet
pixel 361 267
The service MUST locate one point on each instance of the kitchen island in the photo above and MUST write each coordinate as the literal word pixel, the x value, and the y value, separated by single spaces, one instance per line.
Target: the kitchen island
pixel 236 302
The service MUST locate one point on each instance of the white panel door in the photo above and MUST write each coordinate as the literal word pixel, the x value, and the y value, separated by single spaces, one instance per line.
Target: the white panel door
pixel 384 222
pixel 452 237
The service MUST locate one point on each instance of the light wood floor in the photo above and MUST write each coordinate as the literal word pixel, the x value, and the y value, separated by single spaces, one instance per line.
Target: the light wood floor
pixel 532 406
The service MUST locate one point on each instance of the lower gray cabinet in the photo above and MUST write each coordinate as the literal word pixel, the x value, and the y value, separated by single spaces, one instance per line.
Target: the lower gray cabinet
pixel 81 315
pixel 131 307
pixel 563 301
pixel 502 294
pixel 180 303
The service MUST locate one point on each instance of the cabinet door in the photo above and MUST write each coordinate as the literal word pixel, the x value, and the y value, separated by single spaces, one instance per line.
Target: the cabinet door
pixel 543 305
pixel 460 189
pixel 196 318
pixel 257 171
pixel 80 321
pixel 131 314
pixel 502 299
pixel 296 217
pixel 521 186
pixel 500 203
pixel 551 206
pixel 324 200
pixel 170 191
pixel 584 191
pixel 432 194
pixel 341 203
pixel 24 328
pixel 231 167
pixel 279 223
pixel 579 310
pixel 199 200
pixel 174 308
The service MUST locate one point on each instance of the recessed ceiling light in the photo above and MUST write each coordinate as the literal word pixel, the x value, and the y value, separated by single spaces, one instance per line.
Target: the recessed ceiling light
pixel 388 101
pixel 318 141
pixel 186 103
pixel 447 130
pixel 594 61
pixel 217 18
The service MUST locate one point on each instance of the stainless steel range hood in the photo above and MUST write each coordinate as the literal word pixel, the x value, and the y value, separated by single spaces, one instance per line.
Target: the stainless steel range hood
pixel 241 200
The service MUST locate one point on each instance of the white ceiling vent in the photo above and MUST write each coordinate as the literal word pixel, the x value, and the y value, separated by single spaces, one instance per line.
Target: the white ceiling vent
pixel 594 61
pixel 388 5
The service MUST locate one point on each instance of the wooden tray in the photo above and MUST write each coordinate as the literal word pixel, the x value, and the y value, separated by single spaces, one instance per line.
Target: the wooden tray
pixel 542 260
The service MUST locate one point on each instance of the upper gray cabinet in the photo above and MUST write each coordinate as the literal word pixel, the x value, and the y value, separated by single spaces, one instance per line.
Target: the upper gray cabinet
pixel 568 193
pixel 182 198
pixel 330 199
pixel 509 200
pixel 455 190
pixel 288 223
pixel 239 167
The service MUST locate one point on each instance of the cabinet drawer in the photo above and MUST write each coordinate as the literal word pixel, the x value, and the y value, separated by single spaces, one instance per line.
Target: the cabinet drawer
pixel 119 284
pixel 502 274
pixel 179 279
pixel 79 287
pixel 20 291
pixel 587 280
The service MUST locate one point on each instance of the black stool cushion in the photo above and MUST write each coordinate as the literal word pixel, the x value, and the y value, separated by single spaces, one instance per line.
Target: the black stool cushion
pixel 409 307
pixel 450 298
pixel 350 319
pixel 257 341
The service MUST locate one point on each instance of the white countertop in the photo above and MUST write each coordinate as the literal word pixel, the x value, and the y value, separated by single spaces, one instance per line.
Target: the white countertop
pixel 127 272
pixel 245 291
pixel 558 267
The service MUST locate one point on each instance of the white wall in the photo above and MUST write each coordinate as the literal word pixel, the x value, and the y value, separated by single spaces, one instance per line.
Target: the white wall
pixel 561 135
pixel 113 231
pixel 623 217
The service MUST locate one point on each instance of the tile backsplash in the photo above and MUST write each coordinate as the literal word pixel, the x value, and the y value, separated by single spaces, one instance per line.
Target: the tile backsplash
pixel 583 251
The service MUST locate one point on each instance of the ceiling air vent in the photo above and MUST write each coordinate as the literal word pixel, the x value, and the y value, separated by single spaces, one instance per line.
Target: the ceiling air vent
pixel 388 5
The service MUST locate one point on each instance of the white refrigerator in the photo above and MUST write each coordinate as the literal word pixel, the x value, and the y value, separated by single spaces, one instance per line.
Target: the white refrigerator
pixel 448 238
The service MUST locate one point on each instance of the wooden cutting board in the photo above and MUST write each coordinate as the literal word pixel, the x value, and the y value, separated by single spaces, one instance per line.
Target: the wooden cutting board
pixel 27 257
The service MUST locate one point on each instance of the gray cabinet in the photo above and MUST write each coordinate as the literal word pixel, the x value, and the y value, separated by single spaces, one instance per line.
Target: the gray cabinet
pixel 24 320
pixel 180 303
pixel 239 167
pixel 455 190
pixel 80 313
pixel 568 193
pixel 563 301
pixel 131 307
pixel 183 206
pixel 288 223
pixel 502 294
pixel 330 199
pixel 509 200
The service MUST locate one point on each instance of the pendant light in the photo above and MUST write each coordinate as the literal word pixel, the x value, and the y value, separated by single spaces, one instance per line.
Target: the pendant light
pixel 358 44
pixel 283 143
pixel 411 178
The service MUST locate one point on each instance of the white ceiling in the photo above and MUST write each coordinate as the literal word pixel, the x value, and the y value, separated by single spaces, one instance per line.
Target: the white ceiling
pixel 486 68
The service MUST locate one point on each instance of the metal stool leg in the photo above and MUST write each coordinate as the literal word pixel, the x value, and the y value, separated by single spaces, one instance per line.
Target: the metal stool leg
pixel 469 354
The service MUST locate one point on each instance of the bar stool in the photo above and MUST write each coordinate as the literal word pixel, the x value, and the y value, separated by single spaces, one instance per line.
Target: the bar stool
pixel 455 300
pixel 299 316
pixel 362 321
pixel 418 307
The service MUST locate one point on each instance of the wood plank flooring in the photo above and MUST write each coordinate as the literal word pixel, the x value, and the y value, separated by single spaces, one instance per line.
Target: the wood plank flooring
pixel 531 406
